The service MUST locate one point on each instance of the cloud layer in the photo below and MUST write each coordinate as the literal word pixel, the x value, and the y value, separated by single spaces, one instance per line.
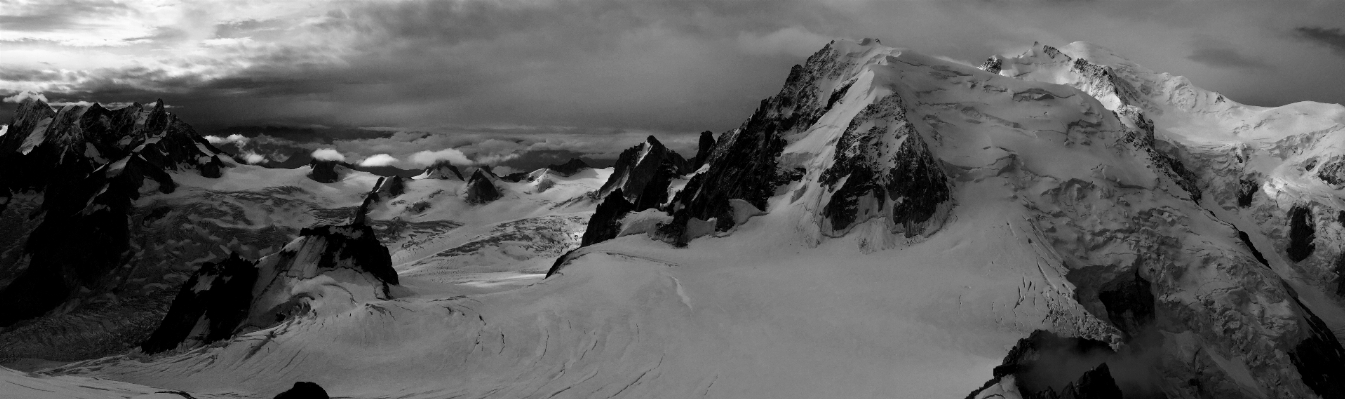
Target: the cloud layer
pixel 328 154
pixel 594 67
pixel 379 160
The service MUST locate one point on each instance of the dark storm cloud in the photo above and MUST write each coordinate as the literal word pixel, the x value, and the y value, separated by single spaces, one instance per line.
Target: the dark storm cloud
pixel 160 34
pixel 1333 38
pixel 247 27
pixel 1226 58
pixel 671 67
pixel 1220 54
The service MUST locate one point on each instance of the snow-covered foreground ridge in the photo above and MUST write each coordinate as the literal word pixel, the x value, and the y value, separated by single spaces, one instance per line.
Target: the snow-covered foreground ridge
pixel 891 225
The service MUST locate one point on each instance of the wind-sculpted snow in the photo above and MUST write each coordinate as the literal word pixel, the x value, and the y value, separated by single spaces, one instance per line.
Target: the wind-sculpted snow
pixel 1070 207
pixel 514 246
pixel 1260 168
pixel 326 268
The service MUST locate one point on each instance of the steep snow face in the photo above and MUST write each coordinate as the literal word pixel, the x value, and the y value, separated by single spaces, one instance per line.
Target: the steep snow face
pixel 1271 172
pixel 1059 216
pixel 1181 110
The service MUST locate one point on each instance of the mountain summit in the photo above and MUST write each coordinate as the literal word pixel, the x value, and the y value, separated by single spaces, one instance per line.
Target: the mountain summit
pixel 1057 223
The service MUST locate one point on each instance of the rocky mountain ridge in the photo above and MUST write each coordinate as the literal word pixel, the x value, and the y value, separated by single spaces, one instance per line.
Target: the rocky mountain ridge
pixel 85 165
pixel 902 142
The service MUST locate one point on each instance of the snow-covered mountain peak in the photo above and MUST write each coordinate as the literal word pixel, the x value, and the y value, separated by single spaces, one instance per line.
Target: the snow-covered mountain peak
pixel 887 224
pixel 441 170
pixel 1183 111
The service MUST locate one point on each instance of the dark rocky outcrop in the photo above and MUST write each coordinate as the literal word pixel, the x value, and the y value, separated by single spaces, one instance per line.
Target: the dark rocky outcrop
pixel 325 171
pixel 563 261
pixel 90 164
pixel 481 187
pixel 219 293
pixel 992 65
pixel 1247 240
pixel 442 170
pixel 304 390
pixel 744 164
pixel 389 187
pixel 1093 384
pixel 237 294
pixel 1129 300
pixel 1100 80
pixel 1247 188
pixel 914 189
pixel 1333 171
pixel 384 189
pixel 1169 162
pixel 1048 366
pixel 1302 231
pixel 606 220
pixel 703 150
pixel 1319 358
pixel 637 166
pixel 639 181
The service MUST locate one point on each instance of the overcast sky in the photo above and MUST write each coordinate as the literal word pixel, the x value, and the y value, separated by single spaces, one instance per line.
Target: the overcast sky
pixel 624 67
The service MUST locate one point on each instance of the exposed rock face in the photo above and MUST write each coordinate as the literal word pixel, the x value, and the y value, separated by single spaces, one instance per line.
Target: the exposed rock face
pixel 334 265
pixel 89 164
pixel 1247 240
pixel 606 220
pixel 326 171
pixel 640 165
pixel 745 162
pixel 442 170
pixel 304 390
pixel 703 150
pixel 1333 171
pixel 384 189
pixel 1130 303
pixel 884 163
pixel 992 65
pixel 648 169
pixel 640 181
pixel 389 187
pixel 1093 384
pixel 1320 359
pixel 1045 366
pixel 481 187
pixel 1301 233
pixel 1247 188
pixel 218 295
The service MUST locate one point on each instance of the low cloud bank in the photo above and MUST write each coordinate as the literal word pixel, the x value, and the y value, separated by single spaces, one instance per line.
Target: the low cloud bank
pixel 328 154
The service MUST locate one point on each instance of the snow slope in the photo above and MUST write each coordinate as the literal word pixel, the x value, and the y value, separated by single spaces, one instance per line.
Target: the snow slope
pixel 1056 207
pixel 1256 165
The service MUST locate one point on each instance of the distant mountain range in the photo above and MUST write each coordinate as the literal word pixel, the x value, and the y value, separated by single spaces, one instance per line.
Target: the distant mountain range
pixel 1059 223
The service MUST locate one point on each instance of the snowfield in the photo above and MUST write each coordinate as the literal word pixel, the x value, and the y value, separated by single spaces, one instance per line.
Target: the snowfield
pixel 1083 201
